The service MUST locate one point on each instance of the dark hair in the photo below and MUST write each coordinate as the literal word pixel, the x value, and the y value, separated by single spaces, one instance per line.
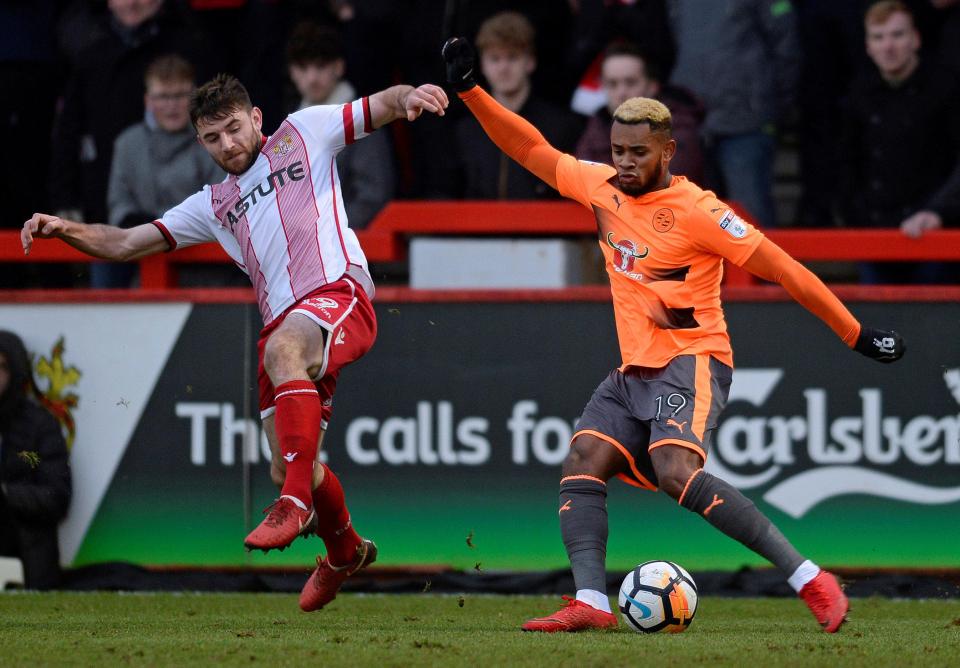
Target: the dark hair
pixel 169 68
pixel 21 377
pixel 622 48
pixel 218 98
pixel 313 44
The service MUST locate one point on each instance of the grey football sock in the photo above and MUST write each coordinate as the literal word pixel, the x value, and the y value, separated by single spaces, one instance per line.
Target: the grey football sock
pixel 583 525
pixel 731 512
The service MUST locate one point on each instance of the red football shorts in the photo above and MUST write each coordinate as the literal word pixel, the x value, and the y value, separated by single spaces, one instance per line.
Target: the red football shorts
pixel 344 311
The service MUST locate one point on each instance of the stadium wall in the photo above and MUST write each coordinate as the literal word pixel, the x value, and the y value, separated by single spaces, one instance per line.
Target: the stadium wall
pixel 449 434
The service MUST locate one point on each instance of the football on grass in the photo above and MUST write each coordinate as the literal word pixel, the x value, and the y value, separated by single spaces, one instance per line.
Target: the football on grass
pixel 658 596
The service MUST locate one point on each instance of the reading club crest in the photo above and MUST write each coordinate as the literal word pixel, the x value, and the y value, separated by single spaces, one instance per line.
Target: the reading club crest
pixel 663 220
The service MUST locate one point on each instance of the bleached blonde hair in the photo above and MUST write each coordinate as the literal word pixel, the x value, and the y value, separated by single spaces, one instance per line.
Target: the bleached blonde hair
pixel 644 110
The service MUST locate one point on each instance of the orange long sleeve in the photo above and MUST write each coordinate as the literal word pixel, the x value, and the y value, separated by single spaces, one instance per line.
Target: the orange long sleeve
pixel 772 263
pixel 514 135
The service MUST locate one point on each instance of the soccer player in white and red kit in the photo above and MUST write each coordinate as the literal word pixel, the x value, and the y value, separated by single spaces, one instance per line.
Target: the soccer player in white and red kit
pixel 279 215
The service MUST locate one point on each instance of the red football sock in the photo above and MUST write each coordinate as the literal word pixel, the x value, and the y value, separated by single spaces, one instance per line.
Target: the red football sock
pixel 333 520
pixel 298 429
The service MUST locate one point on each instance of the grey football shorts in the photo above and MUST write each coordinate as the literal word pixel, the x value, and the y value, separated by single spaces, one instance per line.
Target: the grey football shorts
pixel 640 409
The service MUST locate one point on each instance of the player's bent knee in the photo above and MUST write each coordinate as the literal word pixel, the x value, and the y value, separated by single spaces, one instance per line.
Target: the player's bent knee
pixel 673 466
pixel 282 355
pixel 672 483
pixel 588 456
pixel 276 351
pixel 580 453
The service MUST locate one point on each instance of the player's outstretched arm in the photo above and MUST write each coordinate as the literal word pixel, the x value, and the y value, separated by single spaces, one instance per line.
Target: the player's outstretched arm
pixel 102 241
pixel 406 102
pixel 772 263
pixel 512 134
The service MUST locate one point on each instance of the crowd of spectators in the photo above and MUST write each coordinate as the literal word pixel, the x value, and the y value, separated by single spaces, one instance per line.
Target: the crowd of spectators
pixel 92 94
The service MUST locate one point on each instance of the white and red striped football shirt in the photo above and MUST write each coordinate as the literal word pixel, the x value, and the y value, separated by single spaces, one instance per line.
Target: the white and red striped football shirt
pixel 282 221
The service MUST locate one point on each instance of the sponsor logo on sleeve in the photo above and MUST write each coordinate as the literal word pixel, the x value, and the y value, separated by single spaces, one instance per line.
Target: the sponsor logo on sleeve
pixel 733 224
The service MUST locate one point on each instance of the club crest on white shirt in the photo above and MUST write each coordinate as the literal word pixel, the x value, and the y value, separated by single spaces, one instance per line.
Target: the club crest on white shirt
pixel 284 146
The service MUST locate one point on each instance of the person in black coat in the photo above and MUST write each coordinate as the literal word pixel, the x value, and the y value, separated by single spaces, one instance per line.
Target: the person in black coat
pixel 35 485
pixel 507 58
pixel 104 96
pixel 901 144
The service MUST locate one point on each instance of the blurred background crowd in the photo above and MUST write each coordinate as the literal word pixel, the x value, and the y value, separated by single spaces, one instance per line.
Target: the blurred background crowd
pixel 806 113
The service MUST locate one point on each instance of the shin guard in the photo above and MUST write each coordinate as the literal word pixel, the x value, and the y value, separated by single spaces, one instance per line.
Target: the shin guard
pixel 583 525
pixel 723 506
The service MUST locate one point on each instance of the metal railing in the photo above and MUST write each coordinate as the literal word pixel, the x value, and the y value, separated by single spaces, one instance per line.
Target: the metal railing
pixel 385 240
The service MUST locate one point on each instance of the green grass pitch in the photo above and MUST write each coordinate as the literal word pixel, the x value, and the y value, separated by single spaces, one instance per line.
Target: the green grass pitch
pixel 107 629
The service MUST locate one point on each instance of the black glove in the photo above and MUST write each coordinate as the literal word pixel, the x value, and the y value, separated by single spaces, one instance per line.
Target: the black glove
pixel 880 345
pixel 461 60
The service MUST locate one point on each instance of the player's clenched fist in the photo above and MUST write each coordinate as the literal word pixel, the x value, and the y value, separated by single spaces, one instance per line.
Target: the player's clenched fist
pixel 40 225
pixel 880 345
pixel 460 60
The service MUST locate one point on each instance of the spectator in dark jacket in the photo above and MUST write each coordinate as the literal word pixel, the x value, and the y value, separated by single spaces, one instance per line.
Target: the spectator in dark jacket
pixel 625 73
pixel 742 58
pixel 315 62
pixel 35 484
pixel 27 63
pixel 948 18
pixel 901 144
pixel 29 81
pixel 831 33
pixel 104 96
pixel 506 47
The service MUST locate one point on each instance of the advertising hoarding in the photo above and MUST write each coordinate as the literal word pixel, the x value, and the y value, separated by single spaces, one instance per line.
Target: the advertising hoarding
pixel 456 423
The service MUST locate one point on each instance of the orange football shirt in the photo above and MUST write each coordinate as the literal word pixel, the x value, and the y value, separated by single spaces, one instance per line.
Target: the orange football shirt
pixel 664 254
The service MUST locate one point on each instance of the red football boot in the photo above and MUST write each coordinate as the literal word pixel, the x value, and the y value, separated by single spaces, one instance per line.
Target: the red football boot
pixel 573 616
pixel 326 580
pixel 284 521
pixel 826 601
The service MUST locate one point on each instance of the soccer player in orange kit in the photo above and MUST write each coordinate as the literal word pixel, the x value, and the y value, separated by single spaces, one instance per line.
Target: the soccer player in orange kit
pixel 650 422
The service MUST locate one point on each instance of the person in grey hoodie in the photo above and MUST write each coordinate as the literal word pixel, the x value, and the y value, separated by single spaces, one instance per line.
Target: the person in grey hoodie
pixel 742 58
pixel 315 62
pixel 156 163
